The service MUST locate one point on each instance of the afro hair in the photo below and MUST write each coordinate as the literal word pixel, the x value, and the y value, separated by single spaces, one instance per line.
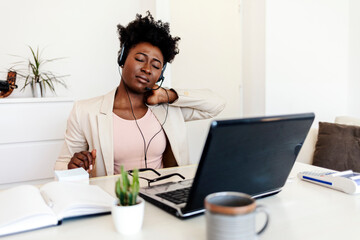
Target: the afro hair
pixel 146 29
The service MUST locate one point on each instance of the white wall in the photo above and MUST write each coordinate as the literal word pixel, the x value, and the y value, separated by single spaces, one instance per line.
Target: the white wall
pixel 82 31
pixel 354 59
pixel 253 54
pixel 210 48
pixel 210 57
pixel 307 57
pixel 312 53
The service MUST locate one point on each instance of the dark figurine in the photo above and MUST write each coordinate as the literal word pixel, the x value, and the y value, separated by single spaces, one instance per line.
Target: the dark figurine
pixel 6 87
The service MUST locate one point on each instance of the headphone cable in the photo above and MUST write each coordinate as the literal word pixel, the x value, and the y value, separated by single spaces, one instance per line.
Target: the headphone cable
pixel 146 148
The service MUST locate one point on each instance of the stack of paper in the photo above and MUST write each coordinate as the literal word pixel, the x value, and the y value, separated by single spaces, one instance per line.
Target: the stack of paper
pixel 72 175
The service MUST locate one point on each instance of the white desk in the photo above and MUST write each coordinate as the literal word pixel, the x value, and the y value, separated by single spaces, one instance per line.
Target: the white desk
pixel 301 211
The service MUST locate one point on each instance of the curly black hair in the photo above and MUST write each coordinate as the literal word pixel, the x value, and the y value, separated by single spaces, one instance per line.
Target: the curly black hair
pixel 146 29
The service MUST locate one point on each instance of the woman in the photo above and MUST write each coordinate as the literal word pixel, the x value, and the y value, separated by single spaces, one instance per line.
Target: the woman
pixel 139 124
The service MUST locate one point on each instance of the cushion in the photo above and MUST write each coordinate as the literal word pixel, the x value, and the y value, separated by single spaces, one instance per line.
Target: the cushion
pixel 338 147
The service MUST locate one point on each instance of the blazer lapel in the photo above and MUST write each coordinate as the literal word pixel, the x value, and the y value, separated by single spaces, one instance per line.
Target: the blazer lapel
pixel 160 113
pixel 105 126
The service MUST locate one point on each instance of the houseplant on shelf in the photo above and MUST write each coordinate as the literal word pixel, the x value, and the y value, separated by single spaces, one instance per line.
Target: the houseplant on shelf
pixel 128 212
pixel 32 71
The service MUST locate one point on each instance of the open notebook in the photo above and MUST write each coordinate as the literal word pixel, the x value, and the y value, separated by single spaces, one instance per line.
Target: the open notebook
pixel 27 207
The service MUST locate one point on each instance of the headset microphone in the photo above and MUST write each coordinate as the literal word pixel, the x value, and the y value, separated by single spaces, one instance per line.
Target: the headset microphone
pixel 150 89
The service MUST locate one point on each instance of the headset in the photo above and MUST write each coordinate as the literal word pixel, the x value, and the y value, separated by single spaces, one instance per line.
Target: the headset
pixel 121 62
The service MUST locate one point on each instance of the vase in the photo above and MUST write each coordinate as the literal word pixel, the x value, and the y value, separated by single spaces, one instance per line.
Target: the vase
pixel 37 89
pixel 128 219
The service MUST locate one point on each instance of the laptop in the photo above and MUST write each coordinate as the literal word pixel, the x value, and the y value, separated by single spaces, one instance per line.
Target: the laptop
pixel 249 155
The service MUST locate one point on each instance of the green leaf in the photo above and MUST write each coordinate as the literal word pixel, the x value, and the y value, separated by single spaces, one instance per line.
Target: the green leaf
pixel 31 70
pixel 135 187
pixel 126 192
pixel 117 188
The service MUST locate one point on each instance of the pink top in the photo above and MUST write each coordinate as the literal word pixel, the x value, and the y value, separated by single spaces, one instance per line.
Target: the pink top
pixel 129 145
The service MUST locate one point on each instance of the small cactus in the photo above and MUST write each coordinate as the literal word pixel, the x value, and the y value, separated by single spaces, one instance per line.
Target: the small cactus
pixel 126 192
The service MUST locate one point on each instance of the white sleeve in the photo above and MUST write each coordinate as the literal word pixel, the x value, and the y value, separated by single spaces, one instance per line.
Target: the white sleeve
pixel 74 140
pixel 198 104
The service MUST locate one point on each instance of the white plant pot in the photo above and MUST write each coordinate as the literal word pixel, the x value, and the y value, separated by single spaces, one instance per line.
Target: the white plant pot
pixel 128 219
pixel 37 89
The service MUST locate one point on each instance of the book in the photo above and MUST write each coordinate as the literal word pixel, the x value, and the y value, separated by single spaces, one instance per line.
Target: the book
pixel 28 207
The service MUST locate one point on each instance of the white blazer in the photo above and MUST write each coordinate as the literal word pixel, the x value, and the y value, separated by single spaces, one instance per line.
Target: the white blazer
pixel 90 126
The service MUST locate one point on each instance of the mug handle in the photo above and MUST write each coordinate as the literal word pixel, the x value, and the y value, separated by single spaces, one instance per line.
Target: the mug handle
pixel 260 208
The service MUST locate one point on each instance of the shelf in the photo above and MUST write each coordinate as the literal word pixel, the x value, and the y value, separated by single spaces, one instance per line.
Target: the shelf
pixel 36 100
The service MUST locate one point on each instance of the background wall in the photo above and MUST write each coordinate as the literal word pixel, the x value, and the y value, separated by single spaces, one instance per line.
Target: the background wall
pixel 84 32
pixel 308 59
pixel 263 57
pixel 253 55
pixel 354 58
pixel 210 57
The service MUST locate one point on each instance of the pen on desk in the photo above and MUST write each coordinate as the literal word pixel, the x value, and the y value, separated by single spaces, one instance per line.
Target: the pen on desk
pixel 47 199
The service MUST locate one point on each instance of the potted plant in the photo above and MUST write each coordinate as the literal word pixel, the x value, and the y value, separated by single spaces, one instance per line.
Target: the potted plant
pixel 128 212
pixel 32 70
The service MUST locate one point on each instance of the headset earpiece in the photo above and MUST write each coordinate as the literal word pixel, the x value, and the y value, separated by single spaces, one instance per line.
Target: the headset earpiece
pixel 161 78
pixel 121 60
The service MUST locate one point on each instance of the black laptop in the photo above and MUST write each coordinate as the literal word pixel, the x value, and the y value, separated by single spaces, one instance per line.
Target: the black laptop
pixel 249 155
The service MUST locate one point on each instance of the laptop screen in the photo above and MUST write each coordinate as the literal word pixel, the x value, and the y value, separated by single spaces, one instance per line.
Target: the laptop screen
pixel 249 155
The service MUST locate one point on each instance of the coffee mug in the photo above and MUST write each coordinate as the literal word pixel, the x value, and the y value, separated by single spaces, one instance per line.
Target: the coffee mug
pixel 231 215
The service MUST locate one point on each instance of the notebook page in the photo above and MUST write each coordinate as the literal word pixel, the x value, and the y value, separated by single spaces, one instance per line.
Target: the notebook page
pixel 77 199
pixel 23 208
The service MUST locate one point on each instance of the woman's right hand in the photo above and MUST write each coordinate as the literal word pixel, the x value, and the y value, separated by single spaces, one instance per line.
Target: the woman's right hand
pixel 84 159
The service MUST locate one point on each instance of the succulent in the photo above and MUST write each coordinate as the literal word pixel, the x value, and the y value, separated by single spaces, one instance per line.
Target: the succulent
pixel 126 192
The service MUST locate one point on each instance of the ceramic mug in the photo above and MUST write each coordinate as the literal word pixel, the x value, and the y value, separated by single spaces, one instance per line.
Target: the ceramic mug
pixel 231 215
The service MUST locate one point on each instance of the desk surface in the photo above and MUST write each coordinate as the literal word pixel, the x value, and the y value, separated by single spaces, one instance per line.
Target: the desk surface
pixel 301 210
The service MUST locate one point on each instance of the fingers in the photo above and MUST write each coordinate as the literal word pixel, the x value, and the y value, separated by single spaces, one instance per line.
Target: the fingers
pixel 93 153
pixel 82 159
pixel 154 97
pixel 87 160
pixel 148 97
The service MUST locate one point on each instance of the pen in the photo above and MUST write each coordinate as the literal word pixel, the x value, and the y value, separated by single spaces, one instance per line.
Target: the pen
pixel 93 155
pixel 47 199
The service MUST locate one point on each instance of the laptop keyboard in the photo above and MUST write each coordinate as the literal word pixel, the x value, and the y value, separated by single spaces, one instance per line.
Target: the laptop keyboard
pixel 177 196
